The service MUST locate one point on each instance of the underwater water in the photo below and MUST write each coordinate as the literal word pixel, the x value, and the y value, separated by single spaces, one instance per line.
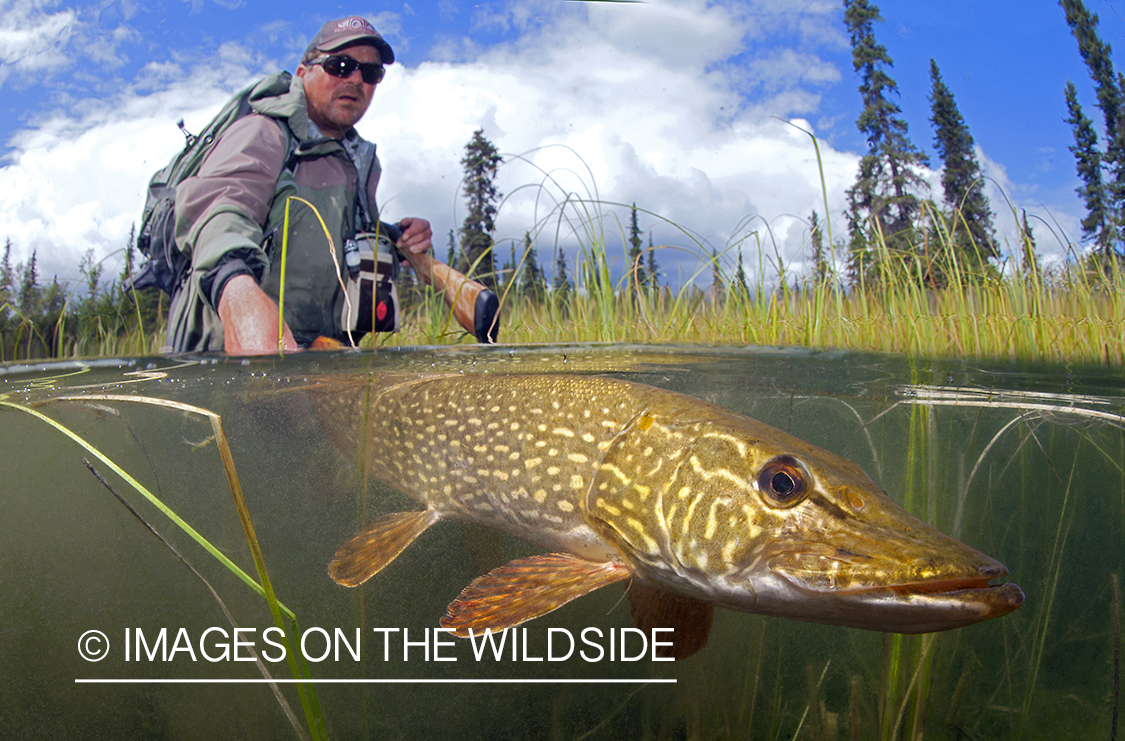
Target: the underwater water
pixel 1023 462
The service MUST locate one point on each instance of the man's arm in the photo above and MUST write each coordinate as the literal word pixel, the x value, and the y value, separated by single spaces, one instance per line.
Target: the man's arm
pixel 249 319
pixel 219 217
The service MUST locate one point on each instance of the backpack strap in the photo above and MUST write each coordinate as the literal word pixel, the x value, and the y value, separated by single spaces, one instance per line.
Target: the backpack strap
pixel 366 212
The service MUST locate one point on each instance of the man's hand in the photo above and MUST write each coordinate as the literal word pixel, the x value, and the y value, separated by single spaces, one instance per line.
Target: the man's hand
pixel 249 319
pixel 416 235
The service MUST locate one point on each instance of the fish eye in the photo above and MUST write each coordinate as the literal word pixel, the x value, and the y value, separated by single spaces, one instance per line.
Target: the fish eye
pixel 783 481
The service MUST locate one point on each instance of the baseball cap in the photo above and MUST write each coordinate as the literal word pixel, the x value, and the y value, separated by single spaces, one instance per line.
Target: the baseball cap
pixel 339 33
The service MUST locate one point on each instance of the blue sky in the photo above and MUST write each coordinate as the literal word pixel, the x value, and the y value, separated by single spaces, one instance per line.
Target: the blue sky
pixel 672 104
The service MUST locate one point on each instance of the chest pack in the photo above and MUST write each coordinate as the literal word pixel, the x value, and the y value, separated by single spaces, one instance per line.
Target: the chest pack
pixel 166 266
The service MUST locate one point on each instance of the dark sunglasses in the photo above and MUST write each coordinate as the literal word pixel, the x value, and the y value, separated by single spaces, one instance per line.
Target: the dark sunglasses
pixel 340 66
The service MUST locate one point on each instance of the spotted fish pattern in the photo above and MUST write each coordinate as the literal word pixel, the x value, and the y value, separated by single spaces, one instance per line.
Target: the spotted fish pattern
pixel 694 505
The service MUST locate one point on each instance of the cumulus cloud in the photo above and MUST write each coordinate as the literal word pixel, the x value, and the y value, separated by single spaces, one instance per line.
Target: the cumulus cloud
pixel 77 180
pixel 628 105
pixel 679 107
pixel 38 38
pixel 33 39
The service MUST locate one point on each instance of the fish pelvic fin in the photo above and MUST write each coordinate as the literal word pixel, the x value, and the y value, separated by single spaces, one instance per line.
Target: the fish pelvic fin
pixel 366 554
pixel 525 589
pixel 689 618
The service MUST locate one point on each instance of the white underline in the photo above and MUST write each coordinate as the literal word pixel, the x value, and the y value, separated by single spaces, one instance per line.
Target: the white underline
pixel 166 680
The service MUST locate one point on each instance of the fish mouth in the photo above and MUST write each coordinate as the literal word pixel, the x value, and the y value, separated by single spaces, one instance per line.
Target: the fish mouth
pixel 929 607
pixel 944 586
pixel 954 598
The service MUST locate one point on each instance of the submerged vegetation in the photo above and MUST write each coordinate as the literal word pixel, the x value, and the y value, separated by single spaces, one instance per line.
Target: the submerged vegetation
pixel 1032 476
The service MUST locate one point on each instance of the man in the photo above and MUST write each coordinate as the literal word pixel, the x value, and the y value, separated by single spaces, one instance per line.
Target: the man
pixel 298 148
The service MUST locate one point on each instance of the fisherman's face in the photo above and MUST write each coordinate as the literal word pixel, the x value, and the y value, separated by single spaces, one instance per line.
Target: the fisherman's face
pixel 335 104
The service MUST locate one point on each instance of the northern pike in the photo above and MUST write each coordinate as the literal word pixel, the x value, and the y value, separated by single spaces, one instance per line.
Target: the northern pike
pixel 696 506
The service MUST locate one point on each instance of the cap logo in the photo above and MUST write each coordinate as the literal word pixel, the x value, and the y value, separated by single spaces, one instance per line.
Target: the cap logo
pixel 355 24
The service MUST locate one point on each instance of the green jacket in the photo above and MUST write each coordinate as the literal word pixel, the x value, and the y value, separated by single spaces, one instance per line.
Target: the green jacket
pixel 230 217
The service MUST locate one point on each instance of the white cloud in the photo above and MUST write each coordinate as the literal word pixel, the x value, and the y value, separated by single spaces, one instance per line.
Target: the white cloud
pixel 33 39
pixel 631 102
pixel 77 181
pixel 642 104
pixel 39 39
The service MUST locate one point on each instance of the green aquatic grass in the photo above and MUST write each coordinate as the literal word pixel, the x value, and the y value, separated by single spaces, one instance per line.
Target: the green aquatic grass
pixel 263 587
pixel 214 594
pixel 1115 697
pixel 1043 616
pixel 989 323
pixel 927 679
pixel 1042 423
pixel 1074 312
pixel 936 686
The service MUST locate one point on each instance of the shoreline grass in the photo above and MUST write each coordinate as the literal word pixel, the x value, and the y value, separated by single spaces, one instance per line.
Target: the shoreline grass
pixel 1004 320
pixel 1074 314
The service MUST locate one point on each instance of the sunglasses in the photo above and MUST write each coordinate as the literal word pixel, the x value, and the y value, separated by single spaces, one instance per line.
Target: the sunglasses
pixel 340 66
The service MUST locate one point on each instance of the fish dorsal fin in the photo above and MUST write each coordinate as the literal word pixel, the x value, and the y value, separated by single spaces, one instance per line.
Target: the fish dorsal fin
pixel 366 554
pixel 526 588
pixel 690 619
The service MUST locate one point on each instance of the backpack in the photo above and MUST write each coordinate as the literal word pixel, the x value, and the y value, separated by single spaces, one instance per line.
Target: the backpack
pixel 167 265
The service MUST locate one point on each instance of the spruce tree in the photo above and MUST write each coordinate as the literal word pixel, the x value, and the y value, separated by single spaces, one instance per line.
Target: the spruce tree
pixel 147 304
pixel 7 276
pixel 532 284
pixel 1029 263
pixel 508 273
pixel 718 285
pixel 882 205
pixel 821 265
pixel 652 272
pixel 1097 56
pixel 29 286
pixel 91 271
pixel 1088 160
pixel 741 285
pixel 636 267
pixel 561 285
pixel 1102 172
pixel 7 287
pixel 130 255
pixel 406 285
pixel 962 181
pixel 481 161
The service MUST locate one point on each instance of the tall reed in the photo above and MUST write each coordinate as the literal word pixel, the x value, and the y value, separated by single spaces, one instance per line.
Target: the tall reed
pixel 1073 320
pixel 1075 313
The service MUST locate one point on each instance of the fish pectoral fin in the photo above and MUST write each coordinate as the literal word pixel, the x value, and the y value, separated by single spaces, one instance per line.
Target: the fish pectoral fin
pixel 525 589
pixel 366 554
pixel 689 618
